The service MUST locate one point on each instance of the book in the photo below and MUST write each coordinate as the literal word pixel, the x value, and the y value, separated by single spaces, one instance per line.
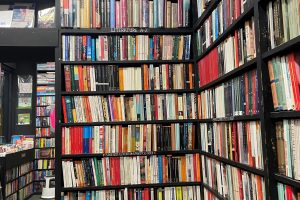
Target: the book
pixel 283 22
pixel 111 171
pixel 115 78
pixel 124 14
pixel 233 52
pixel 284 73
pixel 238 96
pixel 286 192
pixel 231 182
pixel 237 141
pixel 22 18
pixel 6 18
pixel 141 107
pixel 46 18
pixel 131 138
pixel 287 145
pixel 126 47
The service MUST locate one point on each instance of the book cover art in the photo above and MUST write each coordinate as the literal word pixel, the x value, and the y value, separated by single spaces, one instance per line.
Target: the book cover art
pixel 24 119
pixel 6 18
pixel 22 18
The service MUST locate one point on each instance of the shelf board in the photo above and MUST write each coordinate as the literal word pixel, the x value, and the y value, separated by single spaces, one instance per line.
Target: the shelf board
pixel 287 180
pixel 127 31
pixel 206 13
pixel 125 63
pixel 46 84
pixel 28 37
pixel 244 167
pixel 228 31
pixel 42 127
pixel 127 154
pixel 42 105
pixel 43 116
pixel 44 137
pixel 127 92
pixel 233 118
pixel 156 185
pixel 214 192
pixel 283 48
pixel 129 122
pixel 234 73
pixel 285 114
pixel 45 70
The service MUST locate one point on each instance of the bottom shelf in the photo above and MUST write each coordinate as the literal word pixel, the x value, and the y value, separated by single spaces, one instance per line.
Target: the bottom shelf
pixel 156 185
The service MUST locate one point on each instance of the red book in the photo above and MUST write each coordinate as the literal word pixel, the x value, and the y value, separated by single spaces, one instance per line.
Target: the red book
pixel 251 159
pixel 120 139
pixel 64 109
pixel 80 78
pixel 63 141
pixel 236 46
pixel 167 77
pixel 146 194
pixel 240 183
pixel 254 102
pixel 67 78
pixel 294 73
pixel 124 14
pixel 289 192
pixel 234 142
pixel 246 94
pixel 94 14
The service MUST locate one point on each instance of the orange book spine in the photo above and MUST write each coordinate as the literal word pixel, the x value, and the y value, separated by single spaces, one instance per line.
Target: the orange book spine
pixel 183 169
pixel 121 79
pixel 146 80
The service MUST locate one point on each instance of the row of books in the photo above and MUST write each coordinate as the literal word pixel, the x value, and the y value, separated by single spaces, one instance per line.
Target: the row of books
pixel 11 187
pixel 129 108
pixel 131 170
pixel 12 174
pixel 233 52
pixel 283 21
pixel 131 138
pixel 287 192
pixel 48 66
pixel 208 195
pixel 288 147
pixel 237 141
pixel 25 168
pixel 219 21
pixel 45 90
pixel 43 111
pixel 26 179
pixel 44 164
pixel 125 13
pixel 26 191
pixel 40 175
pixel 45 153
pixel 42 121
pixel 201 6
pixel 284 75
pixel 44 132
pixel 42 101
pixel 127 47
pixel 44 142
pixel 46 78
pixel 176 193
pixel 239 96
pixel 232 182
pixel 114 78
pixel 17 16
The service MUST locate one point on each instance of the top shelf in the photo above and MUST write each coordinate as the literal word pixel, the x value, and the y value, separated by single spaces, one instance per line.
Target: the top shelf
pixel 126 31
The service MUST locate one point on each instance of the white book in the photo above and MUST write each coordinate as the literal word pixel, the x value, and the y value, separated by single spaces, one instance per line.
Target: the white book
pixel 6 18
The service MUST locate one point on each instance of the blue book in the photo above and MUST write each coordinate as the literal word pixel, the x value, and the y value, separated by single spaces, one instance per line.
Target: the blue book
pixel 93 49
pixel 67 48
pixel 217 24
pixel 112 13
pixel 177 132
pixel 155 15
pixel 69 109
pixel 88 195
pixel 86 139
pixel 151 49
pixel 160 175
pixel 89 48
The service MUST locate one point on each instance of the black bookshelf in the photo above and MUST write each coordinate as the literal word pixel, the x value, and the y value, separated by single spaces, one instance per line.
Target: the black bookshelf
pixel 127 31
pixel 156 185
pixel 128 92
pixel 287 180
pixel 129 154
pixel 129 122
pixel 214 192
pixel 125 63
pixel 285 114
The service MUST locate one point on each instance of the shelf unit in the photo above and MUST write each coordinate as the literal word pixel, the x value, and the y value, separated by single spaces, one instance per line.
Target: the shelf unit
pixel 43 139
pixel 14 162
pixel 266 115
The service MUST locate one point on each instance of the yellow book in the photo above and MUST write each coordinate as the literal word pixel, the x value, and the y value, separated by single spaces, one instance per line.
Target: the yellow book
pixel 178 193
pixel 183 169
pixel 160 195
pixel 121 79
